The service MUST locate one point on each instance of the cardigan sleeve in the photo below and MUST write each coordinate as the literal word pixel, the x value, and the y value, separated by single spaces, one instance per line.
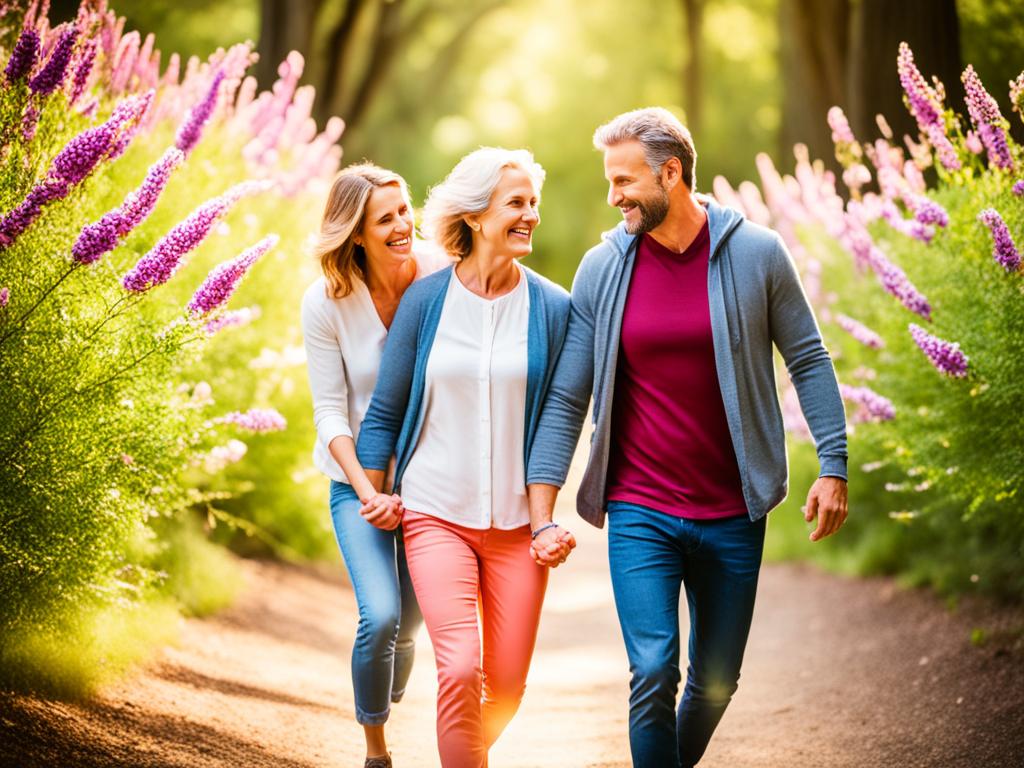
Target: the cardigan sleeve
pixel 795 333
pixel 379 431
pixel 568 396
pixel 326 368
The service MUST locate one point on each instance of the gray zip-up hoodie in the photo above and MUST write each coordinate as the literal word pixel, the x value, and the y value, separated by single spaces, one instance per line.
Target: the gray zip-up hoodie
pixel 756 301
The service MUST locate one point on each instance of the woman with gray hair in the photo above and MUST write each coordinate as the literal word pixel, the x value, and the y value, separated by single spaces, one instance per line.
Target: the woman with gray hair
pixel 462 379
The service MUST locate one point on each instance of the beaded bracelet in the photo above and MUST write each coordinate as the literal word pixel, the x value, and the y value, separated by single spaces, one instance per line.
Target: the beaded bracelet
pixel 536 533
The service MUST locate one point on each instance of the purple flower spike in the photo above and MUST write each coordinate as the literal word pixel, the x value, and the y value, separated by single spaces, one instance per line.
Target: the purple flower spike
pixel 860 332
pixel 95 240
pixel 29 122
pixel 51 76
pixel 1003 249
pixel 925 105
pixel 81 155
pixel 5 296
pixel 896 282
pixel 929 212
pixel 256 420
pixel 224 278
pixel 1018 188
pixel 163 260
pixel 127 116
pixel 871 406
pixel 191 130
pixel 23 57
pixel 84 69
pixel 18 220
pixel 988 119
pixel 72 165
pixel 138 204
pixel 101 237
pixel 944 355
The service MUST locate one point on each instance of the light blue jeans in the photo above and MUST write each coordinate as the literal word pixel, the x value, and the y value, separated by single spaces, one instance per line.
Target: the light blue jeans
pixel 389 616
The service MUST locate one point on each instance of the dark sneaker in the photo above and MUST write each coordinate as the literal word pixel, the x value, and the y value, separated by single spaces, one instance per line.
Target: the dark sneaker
pixel 378 762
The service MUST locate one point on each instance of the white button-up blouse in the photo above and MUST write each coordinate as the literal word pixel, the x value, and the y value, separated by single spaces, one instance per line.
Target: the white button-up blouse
pixel 467 467
pixel 344 340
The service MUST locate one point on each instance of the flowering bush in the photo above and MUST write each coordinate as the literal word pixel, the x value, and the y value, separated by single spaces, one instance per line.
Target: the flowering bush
pixel 930 364
pixel 108 427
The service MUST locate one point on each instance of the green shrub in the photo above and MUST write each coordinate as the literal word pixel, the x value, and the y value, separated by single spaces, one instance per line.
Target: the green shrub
pixel 935 490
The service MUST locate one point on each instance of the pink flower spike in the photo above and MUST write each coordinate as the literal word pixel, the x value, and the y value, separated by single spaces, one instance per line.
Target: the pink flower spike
pixel 860 332
pixel 256 420
pixel 224 278
pixel 871 406
pixel 987 118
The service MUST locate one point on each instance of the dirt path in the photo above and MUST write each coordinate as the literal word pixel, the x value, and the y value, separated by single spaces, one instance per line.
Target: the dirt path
pixel 838 673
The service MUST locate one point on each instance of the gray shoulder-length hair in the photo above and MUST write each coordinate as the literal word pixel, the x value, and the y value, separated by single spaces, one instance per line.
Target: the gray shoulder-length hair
pixel 468 190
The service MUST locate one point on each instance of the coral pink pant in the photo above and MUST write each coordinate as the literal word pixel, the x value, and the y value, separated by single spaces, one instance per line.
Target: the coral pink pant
pixel 460 574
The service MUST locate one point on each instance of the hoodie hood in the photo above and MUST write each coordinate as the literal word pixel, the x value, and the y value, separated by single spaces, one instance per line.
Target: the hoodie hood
pixel 722 222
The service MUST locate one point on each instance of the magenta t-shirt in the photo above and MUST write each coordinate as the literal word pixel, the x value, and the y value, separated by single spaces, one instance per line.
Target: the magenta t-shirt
pixel 671 450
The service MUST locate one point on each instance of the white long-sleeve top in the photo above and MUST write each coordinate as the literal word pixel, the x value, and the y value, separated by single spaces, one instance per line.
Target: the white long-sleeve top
pixel 344 339
pixel 467 467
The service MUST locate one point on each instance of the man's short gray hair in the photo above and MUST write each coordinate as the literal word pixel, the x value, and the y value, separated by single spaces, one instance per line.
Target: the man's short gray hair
pixel 660 134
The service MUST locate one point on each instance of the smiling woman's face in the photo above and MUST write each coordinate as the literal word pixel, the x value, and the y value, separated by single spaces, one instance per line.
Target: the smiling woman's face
pixel 508 223
pixel 388 225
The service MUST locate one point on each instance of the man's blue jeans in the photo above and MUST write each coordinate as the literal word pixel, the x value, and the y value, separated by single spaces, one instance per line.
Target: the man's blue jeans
pixel 652 555
pixel 389 615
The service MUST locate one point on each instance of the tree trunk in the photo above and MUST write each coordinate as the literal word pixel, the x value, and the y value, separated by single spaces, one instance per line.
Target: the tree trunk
pixel 932 30
pixel 693 11
pixel 285 25
pixel 814 56
pixel 335 54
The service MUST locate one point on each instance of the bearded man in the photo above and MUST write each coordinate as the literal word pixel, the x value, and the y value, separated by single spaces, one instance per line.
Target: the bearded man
pixel 674 316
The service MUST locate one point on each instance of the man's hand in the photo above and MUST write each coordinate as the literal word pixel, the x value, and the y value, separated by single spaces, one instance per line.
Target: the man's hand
pixel 552 547
pixel 383 511
pixel 827 501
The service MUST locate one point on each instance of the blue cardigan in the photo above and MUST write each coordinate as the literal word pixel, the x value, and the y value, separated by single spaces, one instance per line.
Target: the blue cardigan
pixel 393 422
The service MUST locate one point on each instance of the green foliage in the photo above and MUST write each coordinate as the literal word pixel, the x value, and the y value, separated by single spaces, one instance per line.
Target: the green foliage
pixel 935 493
pixel 113 450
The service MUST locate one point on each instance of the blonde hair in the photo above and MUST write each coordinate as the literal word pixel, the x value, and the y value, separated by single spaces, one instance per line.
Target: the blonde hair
pixel 467 190
pixel 340 258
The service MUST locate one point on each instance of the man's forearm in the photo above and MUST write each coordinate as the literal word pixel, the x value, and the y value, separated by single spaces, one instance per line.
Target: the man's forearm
pixel 541 498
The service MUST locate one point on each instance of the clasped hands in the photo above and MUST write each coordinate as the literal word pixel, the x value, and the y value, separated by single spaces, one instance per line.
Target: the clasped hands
pixel 552 546
pixel 383 510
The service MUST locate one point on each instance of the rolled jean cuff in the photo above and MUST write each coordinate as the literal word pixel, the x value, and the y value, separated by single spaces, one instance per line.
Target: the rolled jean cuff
pixel 365 718
pixel 396 696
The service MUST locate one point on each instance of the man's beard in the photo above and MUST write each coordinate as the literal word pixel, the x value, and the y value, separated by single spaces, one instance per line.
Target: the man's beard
pixel 652 212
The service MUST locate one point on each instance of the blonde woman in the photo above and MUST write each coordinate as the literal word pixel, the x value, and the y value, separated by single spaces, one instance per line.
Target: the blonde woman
pixel 369 256
pixel 462 379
